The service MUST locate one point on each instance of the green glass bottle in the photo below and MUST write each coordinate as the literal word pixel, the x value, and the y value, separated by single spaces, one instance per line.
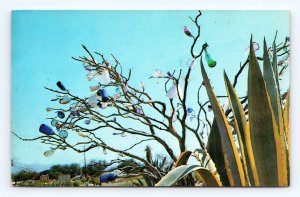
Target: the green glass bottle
pixel 211 63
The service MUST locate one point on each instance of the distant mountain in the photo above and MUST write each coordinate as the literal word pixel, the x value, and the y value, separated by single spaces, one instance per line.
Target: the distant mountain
pixel 36 167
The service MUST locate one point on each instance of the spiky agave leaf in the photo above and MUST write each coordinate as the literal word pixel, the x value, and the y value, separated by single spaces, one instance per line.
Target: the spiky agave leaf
pixel 242 130
pixel 206 161
pixel 231 152
pixel 179 172
pixel 272 85
pixel 215 149
pixel 272 88
pixel 287 131
pixel 162 164
pixel 265 139
pixel 274 64
pixel 183 158
pixel 286 115
pixel 149 154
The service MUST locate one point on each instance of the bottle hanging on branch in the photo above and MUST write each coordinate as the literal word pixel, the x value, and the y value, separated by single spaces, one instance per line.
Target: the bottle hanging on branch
pixel 209 60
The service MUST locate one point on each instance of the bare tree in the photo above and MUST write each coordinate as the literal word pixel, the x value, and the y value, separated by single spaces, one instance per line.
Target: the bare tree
pixel 88 117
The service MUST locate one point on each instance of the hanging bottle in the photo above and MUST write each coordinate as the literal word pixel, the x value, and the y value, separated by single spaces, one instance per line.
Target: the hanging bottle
pixel 45 129
pixel 63 134
pixel 103 94
pixel 50 152
pixel 54 122
pixel 61 114
pixel 209 60
pixel 61 86
pixel 104 78
pixel 92 100
pixel 172 92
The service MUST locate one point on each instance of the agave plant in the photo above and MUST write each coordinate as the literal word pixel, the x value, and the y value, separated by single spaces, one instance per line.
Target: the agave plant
pixel 205 172
pixel 263 134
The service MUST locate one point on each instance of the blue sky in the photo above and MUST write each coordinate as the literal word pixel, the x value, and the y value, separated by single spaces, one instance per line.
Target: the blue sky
pixel 43 43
